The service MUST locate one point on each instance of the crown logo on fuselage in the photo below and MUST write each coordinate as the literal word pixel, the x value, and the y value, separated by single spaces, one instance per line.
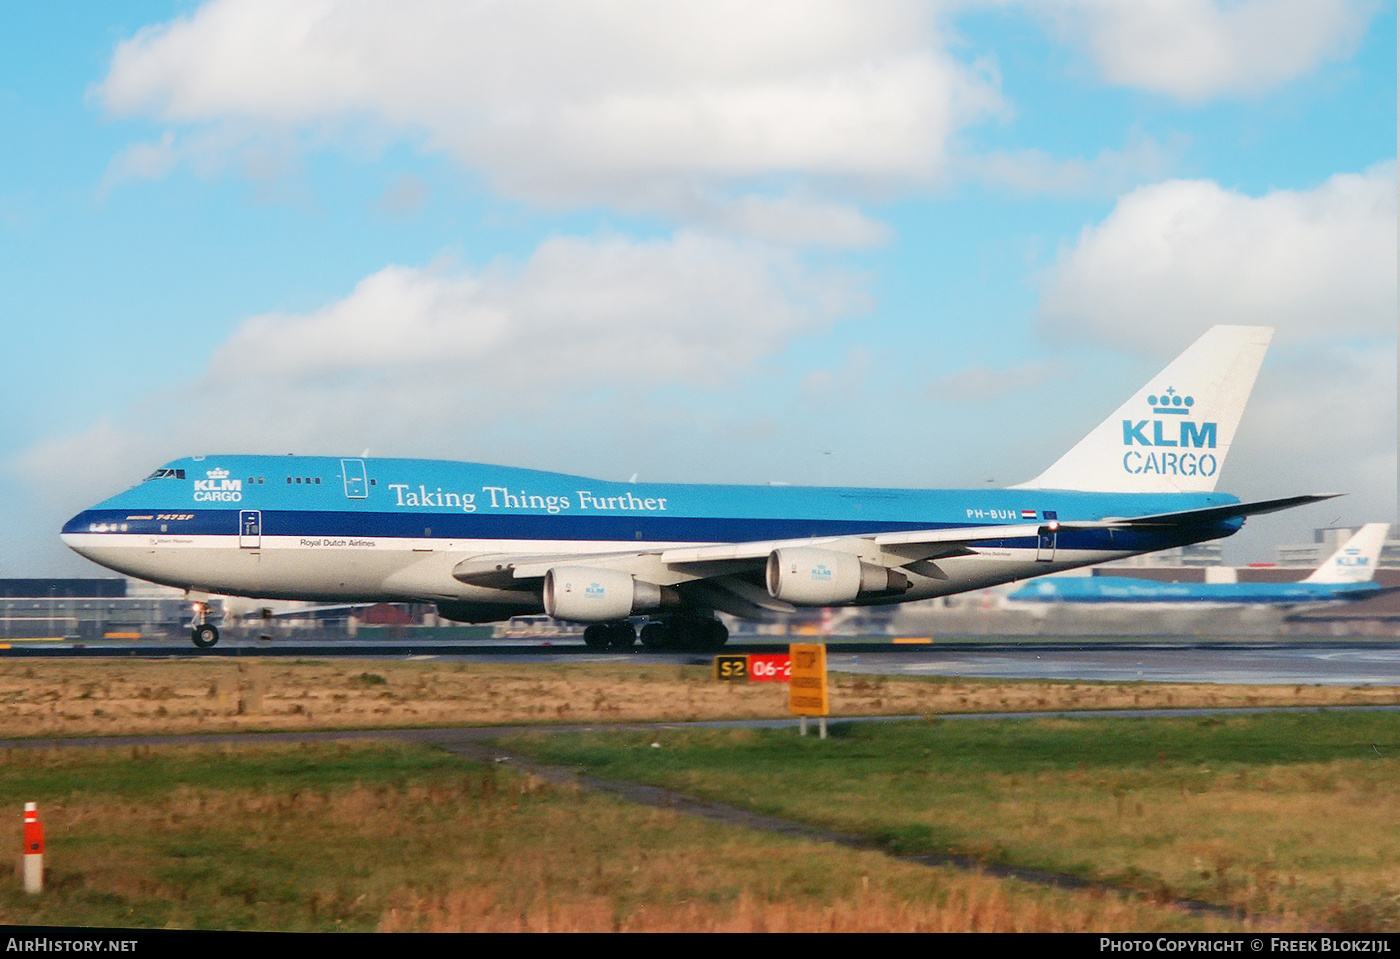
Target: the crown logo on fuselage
pixel 218 488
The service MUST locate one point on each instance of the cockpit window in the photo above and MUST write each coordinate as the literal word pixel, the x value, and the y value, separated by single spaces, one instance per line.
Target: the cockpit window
pixel 166 473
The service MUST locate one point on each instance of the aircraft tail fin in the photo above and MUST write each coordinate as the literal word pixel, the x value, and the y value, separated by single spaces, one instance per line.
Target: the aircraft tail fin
pixel 1356 561
pixel 1173 435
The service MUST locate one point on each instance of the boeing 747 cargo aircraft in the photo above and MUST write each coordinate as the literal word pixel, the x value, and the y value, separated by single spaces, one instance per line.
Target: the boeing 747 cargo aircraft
pixel 1347 575
pixel 488 542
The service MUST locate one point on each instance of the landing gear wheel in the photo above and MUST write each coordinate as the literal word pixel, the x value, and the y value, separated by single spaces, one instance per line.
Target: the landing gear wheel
pixel 656 636
pixel 204 635
pixel 689 635
pixel 597 636
pixel 622 636
pixel 713 636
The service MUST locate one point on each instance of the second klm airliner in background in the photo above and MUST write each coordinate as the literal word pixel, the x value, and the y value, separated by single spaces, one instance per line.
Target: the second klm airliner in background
pixel 1347 575
pixel 485 542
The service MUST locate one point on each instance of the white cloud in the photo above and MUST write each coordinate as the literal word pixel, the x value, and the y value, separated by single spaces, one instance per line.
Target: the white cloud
pixel 577 347
pixel 1179 256
pixel 1108 173
pixel 631 103
pixel 579 314
pixel 793 220
pixel 1322 420
pixel 1197 49
pixel 404 197
pixel 145 161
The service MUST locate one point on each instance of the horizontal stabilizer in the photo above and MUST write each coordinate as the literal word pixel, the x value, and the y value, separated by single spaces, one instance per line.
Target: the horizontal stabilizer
pixel 1212 514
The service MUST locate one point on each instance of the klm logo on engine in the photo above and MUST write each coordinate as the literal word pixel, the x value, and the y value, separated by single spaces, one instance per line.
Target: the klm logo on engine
pixel 218 488
pixel 1171 439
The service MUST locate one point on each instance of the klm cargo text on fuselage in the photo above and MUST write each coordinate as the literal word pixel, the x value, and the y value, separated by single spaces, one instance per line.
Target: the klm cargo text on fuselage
pixel 218 488
pixel 1167 454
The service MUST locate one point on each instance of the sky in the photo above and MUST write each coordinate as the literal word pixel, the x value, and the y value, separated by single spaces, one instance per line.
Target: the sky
pixel 874 243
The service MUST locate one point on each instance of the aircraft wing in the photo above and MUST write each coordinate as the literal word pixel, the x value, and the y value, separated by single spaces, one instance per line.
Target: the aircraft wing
pixel 907 548
pixel 667 567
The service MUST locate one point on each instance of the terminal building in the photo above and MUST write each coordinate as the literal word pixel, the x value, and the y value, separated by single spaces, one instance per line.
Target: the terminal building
pixel 90 609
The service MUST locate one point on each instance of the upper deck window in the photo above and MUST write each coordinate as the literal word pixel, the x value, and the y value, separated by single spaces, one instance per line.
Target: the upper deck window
pixel 166 473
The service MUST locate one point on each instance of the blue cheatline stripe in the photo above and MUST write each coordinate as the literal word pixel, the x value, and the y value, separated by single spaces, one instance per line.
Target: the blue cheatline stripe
pixel 429 525
pixel 633 529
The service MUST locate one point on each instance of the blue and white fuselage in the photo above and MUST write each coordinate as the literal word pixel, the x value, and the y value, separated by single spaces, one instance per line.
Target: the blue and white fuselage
pixel 341 529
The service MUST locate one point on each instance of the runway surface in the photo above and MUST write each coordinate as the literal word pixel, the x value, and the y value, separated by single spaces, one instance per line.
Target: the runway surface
pixel 1327 662
pixel 1306 664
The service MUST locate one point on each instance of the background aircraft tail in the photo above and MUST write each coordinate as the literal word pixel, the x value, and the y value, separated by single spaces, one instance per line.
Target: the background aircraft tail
pixel 1356 561
pixel 1174 434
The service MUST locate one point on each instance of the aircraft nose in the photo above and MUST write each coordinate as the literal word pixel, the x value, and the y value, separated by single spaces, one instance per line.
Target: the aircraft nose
pixel 75 532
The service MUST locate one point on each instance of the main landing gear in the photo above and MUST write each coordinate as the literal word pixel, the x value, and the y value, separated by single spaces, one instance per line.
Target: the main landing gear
pixel 203 633
pixel 618 636
pixel 688 635
pixel 672 635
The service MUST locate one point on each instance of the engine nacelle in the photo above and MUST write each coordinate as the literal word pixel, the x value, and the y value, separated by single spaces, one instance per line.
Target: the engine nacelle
pixel 805 576
pixel 583 594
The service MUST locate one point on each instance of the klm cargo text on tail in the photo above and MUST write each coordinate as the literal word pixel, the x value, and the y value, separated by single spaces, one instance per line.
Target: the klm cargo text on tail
pixel 1188 435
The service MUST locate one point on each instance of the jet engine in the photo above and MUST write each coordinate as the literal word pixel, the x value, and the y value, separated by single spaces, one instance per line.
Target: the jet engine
pixel 583 594
pixel 805 576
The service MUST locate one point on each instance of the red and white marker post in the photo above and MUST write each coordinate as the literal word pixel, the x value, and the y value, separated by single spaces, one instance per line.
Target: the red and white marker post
pixel 33 849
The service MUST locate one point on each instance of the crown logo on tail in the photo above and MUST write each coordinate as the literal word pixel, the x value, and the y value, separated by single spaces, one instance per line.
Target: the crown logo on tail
pixel 1171 402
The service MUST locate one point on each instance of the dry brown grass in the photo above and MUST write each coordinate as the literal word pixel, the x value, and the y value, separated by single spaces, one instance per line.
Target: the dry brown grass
pixel 967 904
pixel 467 848
pixel 64 698
pixel 1315 839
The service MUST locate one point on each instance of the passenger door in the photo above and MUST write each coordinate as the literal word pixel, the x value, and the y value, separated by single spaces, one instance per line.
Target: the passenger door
pixel 250 529
pixel 356 486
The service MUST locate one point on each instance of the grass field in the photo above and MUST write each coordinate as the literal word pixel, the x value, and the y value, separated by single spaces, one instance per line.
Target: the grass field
pixel 1290 817
pixel 1280 815
pixel 394 837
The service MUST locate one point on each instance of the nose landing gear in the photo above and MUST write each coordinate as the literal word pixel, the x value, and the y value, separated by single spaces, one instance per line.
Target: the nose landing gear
pixel 203 633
